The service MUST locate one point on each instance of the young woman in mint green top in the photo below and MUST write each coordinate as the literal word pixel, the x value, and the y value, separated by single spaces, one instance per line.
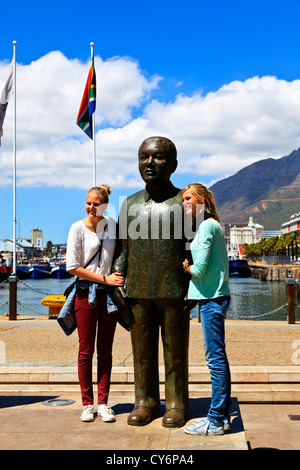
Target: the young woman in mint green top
pixel 210 285
pixel 210 269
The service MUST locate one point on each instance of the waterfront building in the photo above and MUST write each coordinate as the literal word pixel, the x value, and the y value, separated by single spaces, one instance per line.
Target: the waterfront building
pixel 227 227
pixel 24 248
pixel 270 234
pixel 248 234
pixel 36 237
pixel 292 225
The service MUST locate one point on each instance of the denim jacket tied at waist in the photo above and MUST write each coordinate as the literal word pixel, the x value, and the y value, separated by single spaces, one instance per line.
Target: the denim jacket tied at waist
pixel 92 296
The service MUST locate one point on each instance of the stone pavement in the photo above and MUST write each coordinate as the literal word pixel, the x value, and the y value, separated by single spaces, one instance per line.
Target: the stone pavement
pixel 248 343
pixel 27 423
pixel 37 362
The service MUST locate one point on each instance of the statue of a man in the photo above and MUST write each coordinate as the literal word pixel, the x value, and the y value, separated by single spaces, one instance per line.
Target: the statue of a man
pixel 152 249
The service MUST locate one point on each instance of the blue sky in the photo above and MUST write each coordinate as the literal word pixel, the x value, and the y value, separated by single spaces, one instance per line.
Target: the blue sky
pixel 221 79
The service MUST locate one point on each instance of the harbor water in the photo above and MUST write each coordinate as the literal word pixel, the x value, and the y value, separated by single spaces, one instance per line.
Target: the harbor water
pixel 251 298
pixel 30 292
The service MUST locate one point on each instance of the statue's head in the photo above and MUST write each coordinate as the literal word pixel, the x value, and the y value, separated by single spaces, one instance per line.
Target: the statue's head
pixel 157 161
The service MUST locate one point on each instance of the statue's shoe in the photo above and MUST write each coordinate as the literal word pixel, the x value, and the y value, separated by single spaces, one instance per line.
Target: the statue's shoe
pixel 173 418
pixel 141 415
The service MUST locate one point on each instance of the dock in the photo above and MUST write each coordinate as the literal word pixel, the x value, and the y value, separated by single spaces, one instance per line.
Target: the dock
pixel 274 271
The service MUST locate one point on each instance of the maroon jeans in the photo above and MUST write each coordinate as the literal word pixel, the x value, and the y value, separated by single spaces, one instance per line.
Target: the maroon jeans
pixel 92 322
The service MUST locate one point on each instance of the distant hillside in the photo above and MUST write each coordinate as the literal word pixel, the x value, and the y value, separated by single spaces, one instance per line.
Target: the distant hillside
pixel 268 190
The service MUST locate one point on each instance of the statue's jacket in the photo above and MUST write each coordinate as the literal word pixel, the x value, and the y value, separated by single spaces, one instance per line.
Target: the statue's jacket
pixel 152 246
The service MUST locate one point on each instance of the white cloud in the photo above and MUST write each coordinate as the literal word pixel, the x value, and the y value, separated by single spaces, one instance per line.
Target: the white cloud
pixel 51 148
pixel 240 123
pixel 122 87
pixel 215 134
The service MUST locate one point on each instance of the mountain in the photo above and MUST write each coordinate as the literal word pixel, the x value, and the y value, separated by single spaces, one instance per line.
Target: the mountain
pixel 268 190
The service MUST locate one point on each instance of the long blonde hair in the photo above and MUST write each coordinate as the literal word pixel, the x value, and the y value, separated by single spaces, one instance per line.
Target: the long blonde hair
pixel 198 190
pixel 103 192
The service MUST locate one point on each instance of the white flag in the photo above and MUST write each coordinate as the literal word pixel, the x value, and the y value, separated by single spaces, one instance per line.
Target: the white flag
pixel 7 95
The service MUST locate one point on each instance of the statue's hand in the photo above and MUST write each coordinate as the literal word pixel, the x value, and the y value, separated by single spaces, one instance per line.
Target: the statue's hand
pixel 122 302
pixel 120 296
pixel 189 305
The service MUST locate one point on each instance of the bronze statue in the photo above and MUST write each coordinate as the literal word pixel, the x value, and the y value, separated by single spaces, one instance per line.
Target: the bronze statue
pixel 151 251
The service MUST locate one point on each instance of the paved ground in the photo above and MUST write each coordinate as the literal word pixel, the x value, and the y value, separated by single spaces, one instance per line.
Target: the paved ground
pixel 247 342
pixel 26 423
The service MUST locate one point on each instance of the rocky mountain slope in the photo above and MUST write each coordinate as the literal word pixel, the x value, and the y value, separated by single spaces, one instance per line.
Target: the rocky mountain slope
pixel 268 190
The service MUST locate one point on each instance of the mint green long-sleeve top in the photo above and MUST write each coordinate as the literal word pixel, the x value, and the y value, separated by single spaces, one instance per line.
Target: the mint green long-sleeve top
pixel 210 269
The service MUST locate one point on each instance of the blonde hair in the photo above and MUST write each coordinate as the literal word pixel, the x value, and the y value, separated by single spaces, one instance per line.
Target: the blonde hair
pixel 198 190
pixel 103 192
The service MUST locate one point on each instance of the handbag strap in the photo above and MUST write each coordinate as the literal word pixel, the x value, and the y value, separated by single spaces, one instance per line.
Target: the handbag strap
pixel 98 251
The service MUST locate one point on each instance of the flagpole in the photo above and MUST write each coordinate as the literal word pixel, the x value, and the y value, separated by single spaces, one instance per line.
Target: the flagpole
pixel 14 163
pixel 13 276
pixel 93 130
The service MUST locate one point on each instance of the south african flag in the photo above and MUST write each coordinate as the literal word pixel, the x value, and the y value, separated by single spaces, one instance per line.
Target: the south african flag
pixel 88 103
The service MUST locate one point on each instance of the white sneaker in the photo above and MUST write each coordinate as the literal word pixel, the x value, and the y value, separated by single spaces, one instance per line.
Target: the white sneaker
pixel 226 423
pixel 87 413
pixel 106 413
pixel 205 428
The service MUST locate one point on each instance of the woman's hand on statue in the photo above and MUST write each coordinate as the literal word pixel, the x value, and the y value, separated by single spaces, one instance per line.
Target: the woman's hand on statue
pixel 115 279
pixel 186 266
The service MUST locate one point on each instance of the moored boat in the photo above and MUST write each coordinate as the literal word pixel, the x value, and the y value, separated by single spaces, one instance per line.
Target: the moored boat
pixel 59 271
pixel 40 270
pixel 239 267
pixel 23 272
pixel 238 264
pixel 5 272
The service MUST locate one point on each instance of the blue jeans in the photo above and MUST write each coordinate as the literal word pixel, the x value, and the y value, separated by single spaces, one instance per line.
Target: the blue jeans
pixel 213 313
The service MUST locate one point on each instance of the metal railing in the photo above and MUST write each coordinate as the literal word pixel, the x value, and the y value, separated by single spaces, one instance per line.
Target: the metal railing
pixel 290 304
pixel 13 302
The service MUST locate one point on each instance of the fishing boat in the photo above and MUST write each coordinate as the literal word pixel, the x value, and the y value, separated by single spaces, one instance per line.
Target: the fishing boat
pixel 59 271
pixel 40 270
pixel 238 264
pixel 5 272
pixel 23 269
pixel 239 267
pixel 23 272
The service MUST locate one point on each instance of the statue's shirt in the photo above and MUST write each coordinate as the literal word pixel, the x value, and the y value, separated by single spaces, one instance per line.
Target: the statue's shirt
pixel 152 245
